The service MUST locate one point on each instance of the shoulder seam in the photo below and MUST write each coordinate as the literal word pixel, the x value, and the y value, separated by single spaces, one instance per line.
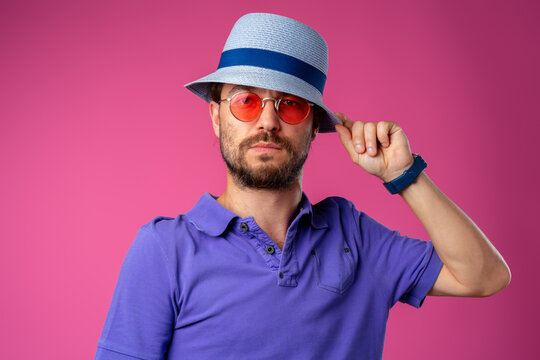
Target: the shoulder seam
pixel 172 278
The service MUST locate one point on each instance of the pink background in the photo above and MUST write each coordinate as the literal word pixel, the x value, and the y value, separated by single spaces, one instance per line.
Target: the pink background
pixel 98 136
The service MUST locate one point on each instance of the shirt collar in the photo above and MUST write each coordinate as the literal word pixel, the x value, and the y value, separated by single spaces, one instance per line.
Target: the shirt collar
pixel 317 221
pixel 213 218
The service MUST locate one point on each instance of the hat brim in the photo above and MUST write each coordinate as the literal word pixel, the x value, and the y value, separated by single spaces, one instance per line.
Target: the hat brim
pixel 267 79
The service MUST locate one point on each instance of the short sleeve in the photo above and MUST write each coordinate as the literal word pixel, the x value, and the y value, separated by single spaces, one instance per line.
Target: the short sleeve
pixel 405 267
pixel 143 310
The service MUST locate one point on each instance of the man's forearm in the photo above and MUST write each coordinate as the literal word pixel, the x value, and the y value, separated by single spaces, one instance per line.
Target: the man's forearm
pixel 465 251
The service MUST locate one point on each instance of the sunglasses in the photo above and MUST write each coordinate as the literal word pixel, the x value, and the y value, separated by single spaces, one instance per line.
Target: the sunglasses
pixel 248 106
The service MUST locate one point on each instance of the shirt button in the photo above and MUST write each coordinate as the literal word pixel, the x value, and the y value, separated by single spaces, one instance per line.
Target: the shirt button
pixel 244 227
pixel 270 249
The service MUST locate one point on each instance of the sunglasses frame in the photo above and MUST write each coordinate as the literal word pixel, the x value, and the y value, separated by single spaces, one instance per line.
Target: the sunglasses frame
pixel 263 102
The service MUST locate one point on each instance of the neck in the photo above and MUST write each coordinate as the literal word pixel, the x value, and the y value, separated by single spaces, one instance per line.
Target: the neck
pixel 273 210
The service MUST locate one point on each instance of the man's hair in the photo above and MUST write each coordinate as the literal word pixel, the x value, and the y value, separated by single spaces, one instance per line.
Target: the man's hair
pixel 214 93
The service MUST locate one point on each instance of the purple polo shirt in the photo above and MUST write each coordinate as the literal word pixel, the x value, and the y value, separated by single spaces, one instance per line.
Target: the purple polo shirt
pixel 212 285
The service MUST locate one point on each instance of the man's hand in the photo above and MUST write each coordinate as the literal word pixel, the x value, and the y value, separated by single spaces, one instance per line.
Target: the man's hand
pixel 380 148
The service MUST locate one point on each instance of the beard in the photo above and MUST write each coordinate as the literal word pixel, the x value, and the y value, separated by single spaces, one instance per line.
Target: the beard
pixel 265 176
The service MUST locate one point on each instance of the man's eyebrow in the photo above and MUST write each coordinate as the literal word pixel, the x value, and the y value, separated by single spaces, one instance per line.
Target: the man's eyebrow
pixel 241 88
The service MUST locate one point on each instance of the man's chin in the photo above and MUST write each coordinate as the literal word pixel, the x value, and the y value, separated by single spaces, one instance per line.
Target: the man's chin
pixel 260 161
pixel 263 168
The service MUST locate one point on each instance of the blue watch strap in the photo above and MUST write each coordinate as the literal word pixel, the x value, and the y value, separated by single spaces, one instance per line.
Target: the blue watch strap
pixel 408 176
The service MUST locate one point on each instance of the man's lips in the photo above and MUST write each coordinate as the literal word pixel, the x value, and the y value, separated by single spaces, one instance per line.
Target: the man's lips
pixel 265 147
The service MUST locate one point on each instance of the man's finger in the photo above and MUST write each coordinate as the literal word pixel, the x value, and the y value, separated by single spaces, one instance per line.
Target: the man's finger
pixel 383 130
pixel 358 138
pixel 348 123
pixel 370 135
pixel 346 139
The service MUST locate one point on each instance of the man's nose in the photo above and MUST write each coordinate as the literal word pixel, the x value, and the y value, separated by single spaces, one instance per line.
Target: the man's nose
pixel 269 118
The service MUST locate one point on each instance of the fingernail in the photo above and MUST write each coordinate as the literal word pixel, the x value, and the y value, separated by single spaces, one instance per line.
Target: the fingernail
pixel 371 150
pixel 359 148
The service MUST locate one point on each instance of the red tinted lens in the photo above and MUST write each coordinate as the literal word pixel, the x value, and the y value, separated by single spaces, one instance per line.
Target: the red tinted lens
pixel 245 106
pixel 293 109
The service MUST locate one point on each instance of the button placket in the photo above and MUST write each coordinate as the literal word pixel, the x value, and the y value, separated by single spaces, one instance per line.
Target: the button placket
pixel 288 267
pixel 262 243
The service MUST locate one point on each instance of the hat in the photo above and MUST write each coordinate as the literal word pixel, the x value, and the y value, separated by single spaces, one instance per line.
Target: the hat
pixel 276 53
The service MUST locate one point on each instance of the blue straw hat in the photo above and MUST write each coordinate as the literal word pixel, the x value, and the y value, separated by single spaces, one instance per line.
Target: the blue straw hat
pixel 276 53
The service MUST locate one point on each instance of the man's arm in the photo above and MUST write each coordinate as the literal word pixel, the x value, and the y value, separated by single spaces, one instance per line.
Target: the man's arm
pixel 472 266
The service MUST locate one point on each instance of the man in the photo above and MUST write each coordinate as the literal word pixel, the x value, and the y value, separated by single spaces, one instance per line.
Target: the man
pixel 259 272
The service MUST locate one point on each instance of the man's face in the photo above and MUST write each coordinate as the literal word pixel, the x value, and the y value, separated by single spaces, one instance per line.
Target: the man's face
pixel 265 153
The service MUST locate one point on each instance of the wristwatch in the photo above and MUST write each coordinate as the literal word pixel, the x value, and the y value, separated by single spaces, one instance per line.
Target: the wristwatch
pixel 408 176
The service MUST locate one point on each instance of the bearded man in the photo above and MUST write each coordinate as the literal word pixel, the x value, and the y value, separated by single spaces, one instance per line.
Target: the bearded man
pixel 259 272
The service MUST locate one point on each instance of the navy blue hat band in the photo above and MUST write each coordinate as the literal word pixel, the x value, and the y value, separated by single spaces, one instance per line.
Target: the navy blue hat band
pixel 274 61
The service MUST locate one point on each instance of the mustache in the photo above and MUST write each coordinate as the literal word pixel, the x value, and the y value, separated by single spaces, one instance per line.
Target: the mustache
pixel 266 137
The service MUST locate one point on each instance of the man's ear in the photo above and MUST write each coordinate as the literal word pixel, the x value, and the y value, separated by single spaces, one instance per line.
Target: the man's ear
pixel 315 129
pixel 214 115
pixel 314 133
